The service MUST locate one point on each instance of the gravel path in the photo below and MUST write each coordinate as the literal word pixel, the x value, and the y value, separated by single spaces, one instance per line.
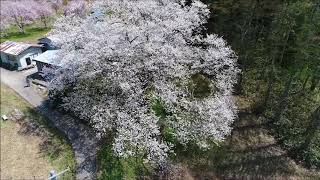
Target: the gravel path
pixel 82 139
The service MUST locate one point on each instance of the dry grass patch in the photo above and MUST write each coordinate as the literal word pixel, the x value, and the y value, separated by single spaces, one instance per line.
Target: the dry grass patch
pixel 30 145
pixel 21 156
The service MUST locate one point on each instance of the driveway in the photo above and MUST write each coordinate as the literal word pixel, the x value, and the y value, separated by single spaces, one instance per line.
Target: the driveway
pixel 17 81
pixel 82 138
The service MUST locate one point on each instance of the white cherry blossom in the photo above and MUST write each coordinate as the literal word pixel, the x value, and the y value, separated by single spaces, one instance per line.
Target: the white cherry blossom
pixel 114 66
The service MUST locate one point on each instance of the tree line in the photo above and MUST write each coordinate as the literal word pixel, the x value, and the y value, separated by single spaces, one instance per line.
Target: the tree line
pixel 278 44
pixel 20 13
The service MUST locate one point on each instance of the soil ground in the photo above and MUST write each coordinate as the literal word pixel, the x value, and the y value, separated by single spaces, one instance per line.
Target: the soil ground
pixel 30 147
pixel 21 156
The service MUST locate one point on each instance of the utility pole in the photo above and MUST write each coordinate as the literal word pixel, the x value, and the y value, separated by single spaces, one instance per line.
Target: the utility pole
pixel 54 176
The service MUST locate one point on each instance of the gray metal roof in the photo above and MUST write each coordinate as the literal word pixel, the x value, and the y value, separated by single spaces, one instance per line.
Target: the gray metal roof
pixel 48 57
pixel 15 48
pixel 96 13
pixel 47 39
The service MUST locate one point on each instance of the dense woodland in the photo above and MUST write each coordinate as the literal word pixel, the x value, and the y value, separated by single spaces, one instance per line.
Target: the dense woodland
pixel 278 44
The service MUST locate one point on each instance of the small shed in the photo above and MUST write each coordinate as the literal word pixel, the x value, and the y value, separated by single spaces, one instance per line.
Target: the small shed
pixel 47 43
pixel 48 59
pixel 18 55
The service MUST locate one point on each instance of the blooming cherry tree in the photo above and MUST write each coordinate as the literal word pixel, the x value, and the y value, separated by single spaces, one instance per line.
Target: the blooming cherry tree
pixel 117 67
pixel 4 20
pixel 43 11
pixel 56 5
pixel 19 13
pixel 23 12
pixel 78 7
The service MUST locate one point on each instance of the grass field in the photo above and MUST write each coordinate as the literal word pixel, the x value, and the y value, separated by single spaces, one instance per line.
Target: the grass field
pixel 111 167
pixel 31 146
pixel 32 33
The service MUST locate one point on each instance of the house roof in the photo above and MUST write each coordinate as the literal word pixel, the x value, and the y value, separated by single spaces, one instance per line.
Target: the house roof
pixel 47 39
pixel 15 48
pixel 96 13
pixel 48 57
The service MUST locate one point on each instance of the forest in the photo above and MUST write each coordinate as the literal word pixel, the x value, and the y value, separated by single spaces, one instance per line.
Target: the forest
pixel 278 44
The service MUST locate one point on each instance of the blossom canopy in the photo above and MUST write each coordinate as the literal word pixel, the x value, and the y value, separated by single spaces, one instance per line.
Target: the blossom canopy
pixel 145 72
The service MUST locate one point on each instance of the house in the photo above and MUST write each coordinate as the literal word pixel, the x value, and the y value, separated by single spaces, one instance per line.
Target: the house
pixel 47 43
pixel 18 55
pixel 96 14
pixel 48 59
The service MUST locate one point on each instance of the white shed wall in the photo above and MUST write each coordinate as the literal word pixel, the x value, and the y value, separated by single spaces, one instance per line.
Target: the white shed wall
pixel 31 52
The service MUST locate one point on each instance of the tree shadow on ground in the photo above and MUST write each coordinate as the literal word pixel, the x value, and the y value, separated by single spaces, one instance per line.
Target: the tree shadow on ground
pixel 35 75
pixel 33 124
pixel 250 152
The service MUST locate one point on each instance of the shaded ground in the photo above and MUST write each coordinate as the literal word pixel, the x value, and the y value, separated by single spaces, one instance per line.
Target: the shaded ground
pixel 21 156
pixel 249 153
pixel 30 147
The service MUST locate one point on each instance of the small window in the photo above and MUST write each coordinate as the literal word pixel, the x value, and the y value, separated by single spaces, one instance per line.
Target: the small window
pixel 28 61
pixel 34 55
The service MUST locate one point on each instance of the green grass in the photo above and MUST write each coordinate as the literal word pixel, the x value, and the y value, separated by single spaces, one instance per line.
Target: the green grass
pixel 33 32
pixel 9 101
pixel 111 167
pixel 159 109
pixel 55 147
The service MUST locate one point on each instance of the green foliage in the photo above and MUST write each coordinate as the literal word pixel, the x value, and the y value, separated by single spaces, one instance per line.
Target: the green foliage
pixel 111 167
pixel 200 86
pixel 278 47
pixel 294 30
pixel 159 109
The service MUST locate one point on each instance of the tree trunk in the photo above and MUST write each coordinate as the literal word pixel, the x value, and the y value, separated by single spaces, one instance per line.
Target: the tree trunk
pixel 311 131
pixel 243 50
pixel 314 83
pixel 271 80
pixel 283 100
pixel 313 127
pixel 22 29
pixel 44 21
pixel 284 47
pixel 305 83
pixel 269 89
pixel 20 24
